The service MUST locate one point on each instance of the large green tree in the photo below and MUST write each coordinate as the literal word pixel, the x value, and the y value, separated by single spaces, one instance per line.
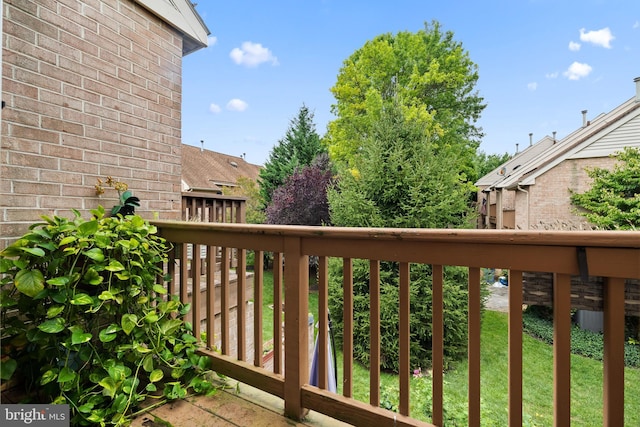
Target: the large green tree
pixel 613 201
pixel 298 148
pixel 485 163
pixel 397 180
pixel 428 74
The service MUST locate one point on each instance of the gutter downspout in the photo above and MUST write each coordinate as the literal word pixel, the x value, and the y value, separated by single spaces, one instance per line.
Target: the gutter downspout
pixel 528 206
pixel 487 218
pixel 499 218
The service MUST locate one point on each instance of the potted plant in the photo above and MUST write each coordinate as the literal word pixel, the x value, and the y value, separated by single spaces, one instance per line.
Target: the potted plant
pixel 127 202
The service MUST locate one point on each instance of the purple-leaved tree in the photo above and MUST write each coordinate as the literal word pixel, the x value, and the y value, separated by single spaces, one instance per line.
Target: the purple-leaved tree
pixel 302 199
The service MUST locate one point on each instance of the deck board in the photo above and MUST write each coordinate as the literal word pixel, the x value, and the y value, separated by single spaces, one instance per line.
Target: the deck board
pixel 248 407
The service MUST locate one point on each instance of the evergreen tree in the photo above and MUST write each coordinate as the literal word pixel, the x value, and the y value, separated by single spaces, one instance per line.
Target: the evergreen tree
pixel 300 145
pixel 399 180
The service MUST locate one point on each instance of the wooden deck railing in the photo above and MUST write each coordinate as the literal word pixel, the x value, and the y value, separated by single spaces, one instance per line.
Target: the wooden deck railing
pixel 612 255
pixel 207 207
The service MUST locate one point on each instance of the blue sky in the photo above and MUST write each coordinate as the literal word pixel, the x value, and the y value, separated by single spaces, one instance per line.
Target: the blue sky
pixel 541 62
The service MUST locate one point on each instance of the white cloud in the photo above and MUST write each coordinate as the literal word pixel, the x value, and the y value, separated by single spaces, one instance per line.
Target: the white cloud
pixel 601 37
pixel 532 86
pixel 577 70
pixel 237 105
pixel 636 25
pixel 553 75
pixel 252 55
pixel 212 40
pixel 574 46
pixel 215 108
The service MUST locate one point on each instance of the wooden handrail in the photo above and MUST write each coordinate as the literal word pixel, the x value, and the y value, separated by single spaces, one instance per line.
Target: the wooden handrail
pixel 613 255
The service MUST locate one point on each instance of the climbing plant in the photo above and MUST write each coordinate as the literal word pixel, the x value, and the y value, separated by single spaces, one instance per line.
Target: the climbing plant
pixel 89 321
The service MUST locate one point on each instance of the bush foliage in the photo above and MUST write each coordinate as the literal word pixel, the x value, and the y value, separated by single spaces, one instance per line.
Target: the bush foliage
pixel 400 178
pixel 88 320
pixel 302 199
pixel 583 342
pixel 613 201
pixel 455 307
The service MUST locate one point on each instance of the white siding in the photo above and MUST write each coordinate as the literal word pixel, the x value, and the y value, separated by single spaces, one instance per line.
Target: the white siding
pixel 181 15
pixel 627 135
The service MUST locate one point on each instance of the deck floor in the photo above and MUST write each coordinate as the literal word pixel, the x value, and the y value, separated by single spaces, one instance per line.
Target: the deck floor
pixel 237 405
pixel 240 406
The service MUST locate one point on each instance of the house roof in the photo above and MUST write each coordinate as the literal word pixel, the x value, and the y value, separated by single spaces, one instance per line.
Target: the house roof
pixel 514 163
pixel 182 15
pixel 205 170
pixel 594 139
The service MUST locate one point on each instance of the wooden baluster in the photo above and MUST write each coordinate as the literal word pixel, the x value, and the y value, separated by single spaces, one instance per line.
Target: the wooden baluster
pixel 258 277
pixel 347 372
pixel 515 348
pixel 374 332
pixel 474 347
pixel 437 344
pixel 241 275
pixel 195 290
pixel 277 313
pixel 561 349
pixel 224 303
pixel 323 314
pixel 404 334
pixel 613 367
pixel 211 296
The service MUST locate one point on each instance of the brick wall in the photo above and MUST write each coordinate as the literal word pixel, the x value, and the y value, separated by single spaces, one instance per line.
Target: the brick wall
pixel 92 89
pixel 546 205
pixel 549 204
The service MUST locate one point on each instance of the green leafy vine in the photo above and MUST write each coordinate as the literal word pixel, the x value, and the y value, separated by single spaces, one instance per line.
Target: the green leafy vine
pixel 87 320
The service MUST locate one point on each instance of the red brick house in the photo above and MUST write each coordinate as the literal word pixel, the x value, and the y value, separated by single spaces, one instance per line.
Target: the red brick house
pixel 91 89
pixel 531 190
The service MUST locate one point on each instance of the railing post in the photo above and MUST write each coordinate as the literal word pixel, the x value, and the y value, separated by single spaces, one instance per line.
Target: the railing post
pixel 296 331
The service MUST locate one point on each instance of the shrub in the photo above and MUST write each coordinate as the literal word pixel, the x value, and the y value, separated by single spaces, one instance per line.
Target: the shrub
pixel 583 342
pixel 90 325
pixel 455 307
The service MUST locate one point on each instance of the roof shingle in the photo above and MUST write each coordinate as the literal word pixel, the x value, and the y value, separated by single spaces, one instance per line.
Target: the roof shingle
pixel 205 170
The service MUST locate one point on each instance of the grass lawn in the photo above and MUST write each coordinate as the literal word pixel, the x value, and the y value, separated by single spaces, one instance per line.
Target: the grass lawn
pixel 267 306
pixel 586 378
pixel 586 381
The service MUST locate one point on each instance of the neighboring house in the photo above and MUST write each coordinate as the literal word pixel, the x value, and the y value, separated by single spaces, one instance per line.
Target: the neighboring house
pixel 532 190
pixel 91 89
pixel 210 186
pixel 206 171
